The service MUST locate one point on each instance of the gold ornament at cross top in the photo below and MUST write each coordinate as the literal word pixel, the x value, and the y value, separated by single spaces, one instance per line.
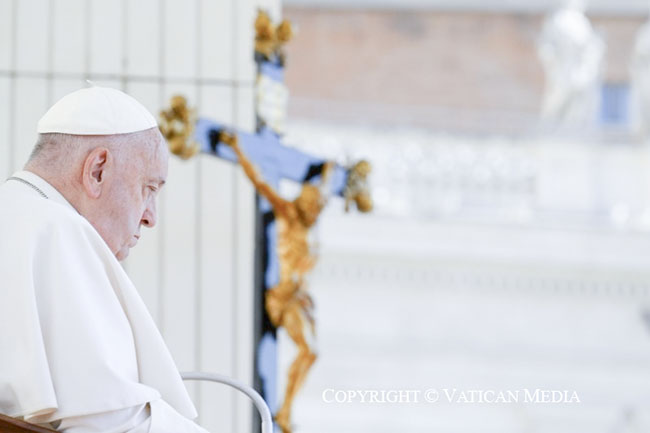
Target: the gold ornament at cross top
pixel 269 38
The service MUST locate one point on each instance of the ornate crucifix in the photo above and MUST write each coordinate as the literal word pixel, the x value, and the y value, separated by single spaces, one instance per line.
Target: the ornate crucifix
pixel 282 248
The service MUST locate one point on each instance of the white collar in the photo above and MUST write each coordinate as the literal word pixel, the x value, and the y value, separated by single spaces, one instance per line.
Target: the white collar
pixel 40 183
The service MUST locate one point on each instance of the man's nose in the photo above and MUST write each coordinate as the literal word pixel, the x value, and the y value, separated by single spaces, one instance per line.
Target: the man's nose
pixel 149 217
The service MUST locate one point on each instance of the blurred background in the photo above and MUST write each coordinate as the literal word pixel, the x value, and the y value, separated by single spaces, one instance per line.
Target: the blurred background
pixel 508 248
pixel 510 240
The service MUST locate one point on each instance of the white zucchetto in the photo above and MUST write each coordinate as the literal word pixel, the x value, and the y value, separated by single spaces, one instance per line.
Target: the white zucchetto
pixel 96 111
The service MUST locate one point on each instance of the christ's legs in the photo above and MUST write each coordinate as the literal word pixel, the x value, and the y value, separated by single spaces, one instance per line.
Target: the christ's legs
pixel 295 324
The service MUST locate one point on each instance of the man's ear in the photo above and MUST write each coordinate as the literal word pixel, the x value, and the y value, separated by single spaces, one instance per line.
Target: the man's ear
pixel 94 171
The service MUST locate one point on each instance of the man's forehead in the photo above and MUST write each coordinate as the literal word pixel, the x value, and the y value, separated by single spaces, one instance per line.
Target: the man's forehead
pixel 153 147
pixel 158 167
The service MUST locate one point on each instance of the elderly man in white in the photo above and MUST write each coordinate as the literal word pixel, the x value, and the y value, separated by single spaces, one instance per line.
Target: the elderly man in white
pixel 79 351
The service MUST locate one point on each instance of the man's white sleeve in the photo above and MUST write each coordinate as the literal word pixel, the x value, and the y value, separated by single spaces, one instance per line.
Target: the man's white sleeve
pixel 132 420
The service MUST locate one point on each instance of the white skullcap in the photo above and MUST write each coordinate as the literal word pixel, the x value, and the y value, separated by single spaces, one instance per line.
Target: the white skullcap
pixel 96 111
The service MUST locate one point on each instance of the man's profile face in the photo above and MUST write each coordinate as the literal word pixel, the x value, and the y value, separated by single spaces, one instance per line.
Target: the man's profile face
pixel 130 201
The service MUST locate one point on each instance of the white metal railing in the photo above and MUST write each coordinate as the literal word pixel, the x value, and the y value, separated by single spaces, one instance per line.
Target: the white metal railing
pixel 260 404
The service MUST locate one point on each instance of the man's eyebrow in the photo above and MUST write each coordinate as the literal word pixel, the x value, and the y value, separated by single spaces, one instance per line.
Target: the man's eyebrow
pixel 160 181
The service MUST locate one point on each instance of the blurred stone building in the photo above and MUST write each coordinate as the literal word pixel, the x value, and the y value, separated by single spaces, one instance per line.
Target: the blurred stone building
pixel 451 70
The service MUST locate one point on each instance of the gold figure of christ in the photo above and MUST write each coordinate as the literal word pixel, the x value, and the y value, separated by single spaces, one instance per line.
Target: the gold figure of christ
pixel 288 304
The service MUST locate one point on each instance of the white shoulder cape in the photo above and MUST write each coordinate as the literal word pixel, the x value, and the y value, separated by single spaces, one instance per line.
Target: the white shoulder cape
pixel 75 336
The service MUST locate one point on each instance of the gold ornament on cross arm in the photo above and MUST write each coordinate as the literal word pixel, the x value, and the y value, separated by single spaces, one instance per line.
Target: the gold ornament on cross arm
pixel 177 126
pixel 357 190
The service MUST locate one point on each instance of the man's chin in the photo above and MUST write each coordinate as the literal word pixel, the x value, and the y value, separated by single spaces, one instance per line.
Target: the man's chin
pixel 122 254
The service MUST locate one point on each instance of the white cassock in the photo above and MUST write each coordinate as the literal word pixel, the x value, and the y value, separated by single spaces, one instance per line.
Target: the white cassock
pixel 78 349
